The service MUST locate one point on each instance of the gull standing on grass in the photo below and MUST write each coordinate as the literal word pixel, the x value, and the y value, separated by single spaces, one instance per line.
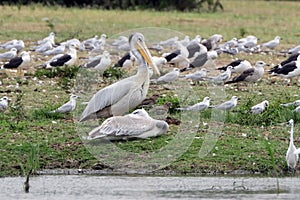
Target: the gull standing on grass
pixel 178 57
pixel 169 77
pixel 4 103
pixel 250 75
pixel 198 106
pixel 126 94
pixel 221 78
pixel 294 103
pixel 18 44
pixel 272 44
pixel 238 66
pixel 55 51
pixel 291 58
pixel 67 107
pixel 291 154
pixel 100 63
pixel 196 76
pixel 66 59
pixel 50 38
pixel 289 70
pixel 259 108
pixel 18 62
pixel 9 54
pixel 137 125
pixel 228 105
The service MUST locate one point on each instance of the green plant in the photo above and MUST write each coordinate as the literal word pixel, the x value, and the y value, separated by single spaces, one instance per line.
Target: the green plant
pixel 173 100
pixel 114 72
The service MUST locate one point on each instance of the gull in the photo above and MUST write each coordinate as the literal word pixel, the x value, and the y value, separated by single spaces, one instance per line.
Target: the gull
pixel 99 44
pixel 248 42
pixel 90 43
pixel 294 103
pixel 9 54
pixel 138 125
pixel 74 41
pixel 197 39
pixel 259 108
pixel 202 59
pixel 212 42
pixel 228 50
pixel 126 94
pixel 67 107
pixel 126 61
pixel 272 44
pixel 194 47
pixel 18 44
pixel 169 42
pixel 66 59
pixel 4 103
pixel 120 41
pixel 250 75
pixel 18 62
pixel 289 70
pixel 8 44
pixel 197 76
pixel 229 44
pixel 49 38
pixel 100 63
pixel 291 157
pixel 221 78
pixel 238 66
pixel 55 51
pixel 198 106
pixel 169 77
pixel 159 61
pixel 294 50
pixel 297 110
pixel 185 41
pixel 44 47
pixel 179 55
pixel 228 105
pixel 291 58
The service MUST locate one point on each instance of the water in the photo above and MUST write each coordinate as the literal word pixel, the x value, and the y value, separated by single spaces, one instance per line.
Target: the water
pixel 144 187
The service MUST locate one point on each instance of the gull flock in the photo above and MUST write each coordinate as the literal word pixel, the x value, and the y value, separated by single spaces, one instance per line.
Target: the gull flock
pixel 182 59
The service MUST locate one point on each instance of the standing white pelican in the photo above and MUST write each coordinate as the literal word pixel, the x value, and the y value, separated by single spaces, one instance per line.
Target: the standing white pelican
pixel 126 94
pixel 138 124
pixel 291 157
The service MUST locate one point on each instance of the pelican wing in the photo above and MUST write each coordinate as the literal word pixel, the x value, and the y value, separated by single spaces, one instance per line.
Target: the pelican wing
pixel 107 97
pixel 123 126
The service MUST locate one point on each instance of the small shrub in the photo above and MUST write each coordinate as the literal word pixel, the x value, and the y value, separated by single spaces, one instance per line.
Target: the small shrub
pixel 169 99
pixel 113 72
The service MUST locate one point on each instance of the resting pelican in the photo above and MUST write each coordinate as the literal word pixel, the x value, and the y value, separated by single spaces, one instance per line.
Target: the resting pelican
pixel 126 94
pixel 138 124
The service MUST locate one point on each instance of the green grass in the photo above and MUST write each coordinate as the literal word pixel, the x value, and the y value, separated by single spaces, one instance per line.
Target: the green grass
pixel 31 136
